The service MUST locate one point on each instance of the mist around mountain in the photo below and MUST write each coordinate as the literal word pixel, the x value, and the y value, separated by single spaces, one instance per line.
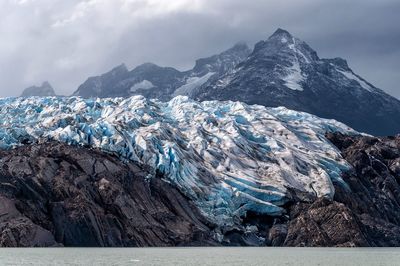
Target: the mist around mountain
pixel 41 91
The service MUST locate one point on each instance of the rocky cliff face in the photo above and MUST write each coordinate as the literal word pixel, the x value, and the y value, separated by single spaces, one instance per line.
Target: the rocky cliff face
pixel 54 194
pixel 363 213
pixel 59 195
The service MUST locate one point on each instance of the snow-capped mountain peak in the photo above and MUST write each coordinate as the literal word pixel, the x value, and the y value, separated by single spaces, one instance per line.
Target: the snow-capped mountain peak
pixel 283 43
pixel 285 71
pixel 280 36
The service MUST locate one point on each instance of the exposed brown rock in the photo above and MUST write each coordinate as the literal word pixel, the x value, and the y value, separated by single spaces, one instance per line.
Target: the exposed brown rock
pixel 367 212
pixel 55 194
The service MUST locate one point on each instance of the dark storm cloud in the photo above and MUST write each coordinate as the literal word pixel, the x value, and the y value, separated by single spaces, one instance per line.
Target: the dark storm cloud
pixel 67 41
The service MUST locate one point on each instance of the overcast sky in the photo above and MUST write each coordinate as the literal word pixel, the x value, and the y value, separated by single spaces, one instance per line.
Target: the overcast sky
pixel 66 41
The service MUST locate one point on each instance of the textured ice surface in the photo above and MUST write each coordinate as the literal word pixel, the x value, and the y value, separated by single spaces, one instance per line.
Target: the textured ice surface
pixel 228 157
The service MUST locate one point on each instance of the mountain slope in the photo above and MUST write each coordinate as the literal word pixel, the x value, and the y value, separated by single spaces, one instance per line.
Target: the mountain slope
pixel 163 83
pixel 285 71
pixel 41 91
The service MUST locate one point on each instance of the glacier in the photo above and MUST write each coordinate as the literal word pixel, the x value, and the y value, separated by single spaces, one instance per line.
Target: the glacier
pixel 230 158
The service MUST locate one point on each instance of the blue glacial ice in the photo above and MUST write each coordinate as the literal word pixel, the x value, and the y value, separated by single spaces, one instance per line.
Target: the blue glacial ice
pixel 228 157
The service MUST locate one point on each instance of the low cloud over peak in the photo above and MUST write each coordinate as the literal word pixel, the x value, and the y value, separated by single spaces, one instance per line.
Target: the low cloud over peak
pixel 67 41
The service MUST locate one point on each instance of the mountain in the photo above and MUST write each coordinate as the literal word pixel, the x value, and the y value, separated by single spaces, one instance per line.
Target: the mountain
pixel 280 71
pixel 285 71
pixel 141 172
pixel 158 82
pixel 42 91
pixel 148 79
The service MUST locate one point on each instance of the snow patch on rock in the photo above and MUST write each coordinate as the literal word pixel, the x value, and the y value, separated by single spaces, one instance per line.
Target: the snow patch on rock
pixel 143 85
pixel 351 76
pixel 192 84
pixel 294 77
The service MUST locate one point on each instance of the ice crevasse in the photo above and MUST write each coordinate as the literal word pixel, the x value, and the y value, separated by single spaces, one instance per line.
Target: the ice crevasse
pixel 228 157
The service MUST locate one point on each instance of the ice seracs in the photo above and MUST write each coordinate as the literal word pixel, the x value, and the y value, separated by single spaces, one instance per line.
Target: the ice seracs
pixel 228 157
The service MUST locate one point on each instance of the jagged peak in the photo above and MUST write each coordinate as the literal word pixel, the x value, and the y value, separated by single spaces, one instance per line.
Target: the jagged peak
pixel 147 65
pixel 282 40
pixel 280 36
pixel 242 45
pixel 239 48
pixel 120 68
pixel 46 84
pixel 151 67
pixel 281 32
pixel 236 53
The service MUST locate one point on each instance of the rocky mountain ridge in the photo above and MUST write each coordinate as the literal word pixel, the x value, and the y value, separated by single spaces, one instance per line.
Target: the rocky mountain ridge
pixel 163 83
pixel 280 71
pixel 285 71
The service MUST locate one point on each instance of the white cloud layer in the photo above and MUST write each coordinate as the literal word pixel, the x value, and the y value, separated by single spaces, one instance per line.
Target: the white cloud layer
pixel 67 41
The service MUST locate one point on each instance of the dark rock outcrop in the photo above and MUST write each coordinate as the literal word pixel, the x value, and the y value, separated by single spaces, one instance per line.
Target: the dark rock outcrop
pixel 367 212
pixel 59 195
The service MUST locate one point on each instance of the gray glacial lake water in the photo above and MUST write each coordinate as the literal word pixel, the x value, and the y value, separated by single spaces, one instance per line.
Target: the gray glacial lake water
pixel 201 256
